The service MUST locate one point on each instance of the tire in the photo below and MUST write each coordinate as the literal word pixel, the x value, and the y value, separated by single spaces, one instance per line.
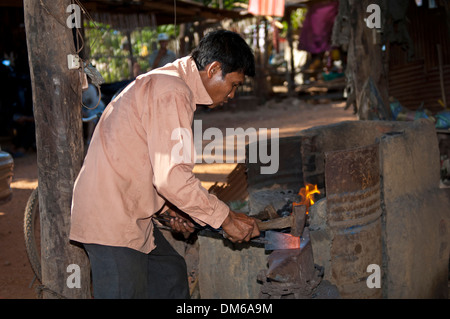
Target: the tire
pixel 31 231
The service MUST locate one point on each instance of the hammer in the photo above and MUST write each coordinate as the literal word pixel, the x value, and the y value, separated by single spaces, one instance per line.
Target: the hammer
pixel 295 221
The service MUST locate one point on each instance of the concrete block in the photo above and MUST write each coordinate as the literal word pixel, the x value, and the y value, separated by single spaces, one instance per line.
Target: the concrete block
pixel 229 271
pixel 416 215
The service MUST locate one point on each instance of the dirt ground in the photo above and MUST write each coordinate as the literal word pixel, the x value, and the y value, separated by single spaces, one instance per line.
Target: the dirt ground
pixel 289 115
pixel 16 275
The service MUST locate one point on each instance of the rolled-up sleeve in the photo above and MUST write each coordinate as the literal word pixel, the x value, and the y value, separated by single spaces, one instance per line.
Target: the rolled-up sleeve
pixel 172 156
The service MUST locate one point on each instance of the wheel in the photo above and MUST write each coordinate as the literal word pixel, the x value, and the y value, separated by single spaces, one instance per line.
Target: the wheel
pixel 32 233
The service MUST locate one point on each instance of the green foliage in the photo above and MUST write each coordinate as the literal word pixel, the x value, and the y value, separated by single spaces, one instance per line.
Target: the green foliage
pixel 297 18
pixel 109 50
pixel 227 4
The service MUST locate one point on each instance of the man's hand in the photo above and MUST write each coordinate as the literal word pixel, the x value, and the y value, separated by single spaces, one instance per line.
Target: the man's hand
pixel 180 223
pixel 239 227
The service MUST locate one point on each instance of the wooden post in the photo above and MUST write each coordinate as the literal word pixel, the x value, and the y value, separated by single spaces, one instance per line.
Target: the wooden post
pixel 365 58
pixel 291 68
pixel 59 141
pixel 131 59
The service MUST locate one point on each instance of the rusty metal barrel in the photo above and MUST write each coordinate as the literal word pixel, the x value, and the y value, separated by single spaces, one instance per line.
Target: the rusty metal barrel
pixel 352 182
pixel 6 174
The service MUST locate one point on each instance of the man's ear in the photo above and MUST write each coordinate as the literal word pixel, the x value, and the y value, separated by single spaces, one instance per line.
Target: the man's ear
pixel 213 68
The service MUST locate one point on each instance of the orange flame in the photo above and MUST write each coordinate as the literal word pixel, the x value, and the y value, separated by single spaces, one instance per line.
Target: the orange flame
pixel 307 196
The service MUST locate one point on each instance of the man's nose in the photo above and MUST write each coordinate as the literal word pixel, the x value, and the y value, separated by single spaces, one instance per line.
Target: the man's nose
pixel 232 93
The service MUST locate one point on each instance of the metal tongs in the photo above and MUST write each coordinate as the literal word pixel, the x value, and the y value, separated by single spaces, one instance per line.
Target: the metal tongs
pixel 271 240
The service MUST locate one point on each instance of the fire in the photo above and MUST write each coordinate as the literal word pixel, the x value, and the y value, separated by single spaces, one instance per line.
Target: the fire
pixel 307 196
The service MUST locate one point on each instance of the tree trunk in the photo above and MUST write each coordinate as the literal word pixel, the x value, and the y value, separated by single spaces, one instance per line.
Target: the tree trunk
pixel 366 71
pixel 59 141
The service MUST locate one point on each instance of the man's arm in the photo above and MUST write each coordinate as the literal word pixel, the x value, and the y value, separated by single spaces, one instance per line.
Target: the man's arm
pixel 172 157
pixel 238 227
pixel 175 180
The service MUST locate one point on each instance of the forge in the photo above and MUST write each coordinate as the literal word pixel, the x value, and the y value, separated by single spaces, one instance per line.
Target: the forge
pixel 378 206
pixel 381 205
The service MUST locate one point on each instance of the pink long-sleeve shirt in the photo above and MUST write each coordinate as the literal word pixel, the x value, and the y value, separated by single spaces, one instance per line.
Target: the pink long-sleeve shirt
pixel 130 173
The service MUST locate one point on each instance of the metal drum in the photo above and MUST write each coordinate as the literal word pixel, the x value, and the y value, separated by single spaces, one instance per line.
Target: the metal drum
pixel 352 179
pixel 6 174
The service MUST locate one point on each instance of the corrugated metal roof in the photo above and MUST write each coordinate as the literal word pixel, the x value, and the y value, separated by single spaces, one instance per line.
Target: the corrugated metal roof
pixel 139 13
pixel 418 80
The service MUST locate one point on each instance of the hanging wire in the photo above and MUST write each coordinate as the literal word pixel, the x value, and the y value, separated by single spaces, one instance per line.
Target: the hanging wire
pixel 93 74
pixel 49 13
pixel 88 15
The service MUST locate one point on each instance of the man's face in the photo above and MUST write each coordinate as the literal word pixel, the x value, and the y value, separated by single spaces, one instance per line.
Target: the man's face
pixel 163 44
pixel 221 89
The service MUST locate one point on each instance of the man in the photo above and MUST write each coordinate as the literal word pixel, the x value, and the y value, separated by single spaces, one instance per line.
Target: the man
pixel 130 174
pixel 162 56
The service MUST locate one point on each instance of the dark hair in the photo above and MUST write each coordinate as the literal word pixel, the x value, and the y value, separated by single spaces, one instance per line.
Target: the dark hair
pixel 228 48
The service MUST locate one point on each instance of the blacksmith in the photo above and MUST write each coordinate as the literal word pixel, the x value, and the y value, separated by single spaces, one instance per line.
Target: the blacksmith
pixel 130 174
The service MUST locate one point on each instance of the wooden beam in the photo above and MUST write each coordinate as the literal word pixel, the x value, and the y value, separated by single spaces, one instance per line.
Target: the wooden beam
pixel 59 141
pixel 11 3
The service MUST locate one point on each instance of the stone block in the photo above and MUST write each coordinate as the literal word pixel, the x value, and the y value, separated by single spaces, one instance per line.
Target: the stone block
pixel 229 271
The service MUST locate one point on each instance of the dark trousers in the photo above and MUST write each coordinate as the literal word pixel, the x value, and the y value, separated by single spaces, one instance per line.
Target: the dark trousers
pixel 119 272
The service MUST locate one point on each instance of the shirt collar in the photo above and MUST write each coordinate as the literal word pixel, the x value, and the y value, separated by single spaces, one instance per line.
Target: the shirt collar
pixel 188 71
